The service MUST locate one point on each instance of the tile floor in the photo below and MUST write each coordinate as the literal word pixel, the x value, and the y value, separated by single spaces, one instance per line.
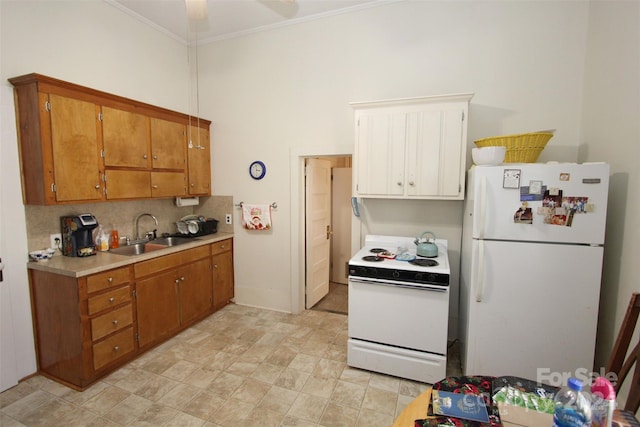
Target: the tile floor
pixel 336 301
pixel 240 366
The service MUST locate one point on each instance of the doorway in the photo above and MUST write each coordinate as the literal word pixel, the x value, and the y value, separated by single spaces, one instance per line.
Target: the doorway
pixel 327 221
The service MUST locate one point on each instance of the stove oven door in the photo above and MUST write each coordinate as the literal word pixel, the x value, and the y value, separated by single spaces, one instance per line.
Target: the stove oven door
pixel 414 318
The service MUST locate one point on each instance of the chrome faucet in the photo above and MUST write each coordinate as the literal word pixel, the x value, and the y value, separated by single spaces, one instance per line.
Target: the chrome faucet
pixel 138 222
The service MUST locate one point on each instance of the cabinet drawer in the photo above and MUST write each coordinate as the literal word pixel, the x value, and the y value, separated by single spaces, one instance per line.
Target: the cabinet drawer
pixel 105 280
pixel 110 299
pixel 111 322
pixel 221 246
pixel 167 262
pixel 113 348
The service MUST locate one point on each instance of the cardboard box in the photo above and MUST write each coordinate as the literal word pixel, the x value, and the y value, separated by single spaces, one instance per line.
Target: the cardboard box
pixel 512 415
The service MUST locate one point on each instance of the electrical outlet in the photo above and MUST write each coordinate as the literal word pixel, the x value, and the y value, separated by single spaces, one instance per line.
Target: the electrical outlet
pixel 227 218
pixel 52 241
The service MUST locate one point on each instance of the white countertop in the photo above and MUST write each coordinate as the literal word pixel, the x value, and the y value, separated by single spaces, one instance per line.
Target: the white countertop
pixel 102 261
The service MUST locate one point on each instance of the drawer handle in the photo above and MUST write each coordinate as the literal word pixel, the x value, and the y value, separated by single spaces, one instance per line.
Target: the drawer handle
pixel 182 279
pixel 115 322
pixel 110 279
pixel 116 348
pixel 112 299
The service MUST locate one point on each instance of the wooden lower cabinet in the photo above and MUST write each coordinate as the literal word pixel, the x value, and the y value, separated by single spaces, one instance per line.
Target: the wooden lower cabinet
pixel 158 315
pixel 87 327
pixel 172 292
pixel 83 326
pixel 223 283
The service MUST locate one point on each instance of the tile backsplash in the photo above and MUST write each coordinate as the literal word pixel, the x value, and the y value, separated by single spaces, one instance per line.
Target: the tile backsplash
pixel 42 221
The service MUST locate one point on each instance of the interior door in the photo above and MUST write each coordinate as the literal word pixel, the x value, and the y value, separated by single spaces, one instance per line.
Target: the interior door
pixel 318 229
pixel 341 224
pixel 8 366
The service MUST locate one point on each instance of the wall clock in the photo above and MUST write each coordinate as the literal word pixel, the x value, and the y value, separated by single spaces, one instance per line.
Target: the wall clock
pixel 257 170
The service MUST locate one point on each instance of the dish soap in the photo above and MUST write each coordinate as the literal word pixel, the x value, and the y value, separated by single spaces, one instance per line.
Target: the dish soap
pixel 115 238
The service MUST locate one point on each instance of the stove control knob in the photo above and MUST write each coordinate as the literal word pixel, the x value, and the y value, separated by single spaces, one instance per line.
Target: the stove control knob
pixel 373 272
pixel 419 276
pixel 431 277
pixel 396 274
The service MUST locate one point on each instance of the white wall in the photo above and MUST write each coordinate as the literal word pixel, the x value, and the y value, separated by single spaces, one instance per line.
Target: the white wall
pixel 611 131
pixel 278 94
pixel 86 42
pixel 288 90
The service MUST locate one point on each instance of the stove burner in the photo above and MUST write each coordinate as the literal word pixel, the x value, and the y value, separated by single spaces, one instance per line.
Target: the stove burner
pixel 377 250
pixel 372 258
pixel 424 262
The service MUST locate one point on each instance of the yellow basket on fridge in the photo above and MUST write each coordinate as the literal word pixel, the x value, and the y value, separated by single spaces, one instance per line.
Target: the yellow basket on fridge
pixel 521 148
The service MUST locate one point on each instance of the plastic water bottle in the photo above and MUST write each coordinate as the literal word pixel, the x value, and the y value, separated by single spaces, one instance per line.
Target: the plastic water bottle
pixel 572 406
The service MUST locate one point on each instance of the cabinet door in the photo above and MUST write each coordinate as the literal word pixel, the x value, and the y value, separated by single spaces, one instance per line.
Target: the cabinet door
pixel 222 279
pixel 380 154
pixel 199 161
pixel 123 184
pixel 125 138
pixel 157 304
pixel 76 152
pixel 168 184
pixel 168 144
pixel 434 153
pixel 196 292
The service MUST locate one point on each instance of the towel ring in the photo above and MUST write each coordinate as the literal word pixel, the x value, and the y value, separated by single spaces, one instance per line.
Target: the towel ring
pixel 274 205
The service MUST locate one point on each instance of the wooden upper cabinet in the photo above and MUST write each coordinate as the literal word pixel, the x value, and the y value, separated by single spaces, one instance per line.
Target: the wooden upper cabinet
pixel 74 143
pixel 168 144
pixel 82 145
pixel 199 161
pixel 125 137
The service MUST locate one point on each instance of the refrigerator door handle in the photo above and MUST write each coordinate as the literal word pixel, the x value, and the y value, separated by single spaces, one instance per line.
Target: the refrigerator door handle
pixel 483 207
pixel 480 271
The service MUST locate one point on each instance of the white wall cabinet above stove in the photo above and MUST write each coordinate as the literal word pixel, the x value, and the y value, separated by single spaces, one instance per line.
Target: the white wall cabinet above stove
pixel 413 148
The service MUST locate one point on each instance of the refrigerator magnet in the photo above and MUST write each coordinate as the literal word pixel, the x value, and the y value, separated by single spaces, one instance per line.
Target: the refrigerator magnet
pixel 511 178
pixel 523 215
pixel 535 187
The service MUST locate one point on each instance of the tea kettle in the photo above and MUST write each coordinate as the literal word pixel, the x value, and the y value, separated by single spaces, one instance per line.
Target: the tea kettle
pixel 427 248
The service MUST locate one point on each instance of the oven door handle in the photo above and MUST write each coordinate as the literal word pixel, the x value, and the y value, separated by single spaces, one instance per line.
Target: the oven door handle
pixel 429 288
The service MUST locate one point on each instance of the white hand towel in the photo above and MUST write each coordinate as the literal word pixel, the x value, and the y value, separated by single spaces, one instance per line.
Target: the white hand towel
pixel 256 217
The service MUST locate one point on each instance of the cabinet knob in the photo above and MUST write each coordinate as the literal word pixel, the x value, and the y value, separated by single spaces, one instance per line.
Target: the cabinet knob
pixel 110 279
pixel 399 184
pixel 116 348
pixel 411 183
pixel 97 186
pixel 215 265
pixel 182 279
pixel 115 322
pixel 221 246
pixel 145 157
pixel 155 187
pixel 193 185
pixel 155 157
pixel 177 281
pixel 112 299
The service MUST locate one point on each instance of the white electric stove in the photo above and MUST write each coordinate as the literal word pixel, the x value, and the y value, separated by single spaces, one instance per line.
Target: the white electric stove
pixel 399 309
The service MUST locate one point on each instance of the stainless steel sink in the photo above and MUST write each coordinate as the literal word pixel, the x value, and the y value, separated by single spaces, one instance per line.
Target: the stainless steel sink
pixel 150 246
pixel 172 241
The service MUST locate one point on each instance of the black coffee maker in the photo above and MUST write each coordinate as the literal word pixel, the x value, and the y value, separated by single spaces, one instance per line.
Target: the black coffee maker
pixel 77 236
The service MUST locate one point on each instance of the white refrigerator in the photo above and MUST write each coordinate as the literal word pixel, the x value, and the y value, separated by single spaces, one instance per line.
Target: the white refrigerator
pixel 531 264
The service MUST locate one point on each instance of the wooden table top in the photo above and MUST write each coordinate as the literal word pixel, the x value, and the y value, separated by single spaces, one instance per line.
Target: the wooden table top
pixel 416 410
